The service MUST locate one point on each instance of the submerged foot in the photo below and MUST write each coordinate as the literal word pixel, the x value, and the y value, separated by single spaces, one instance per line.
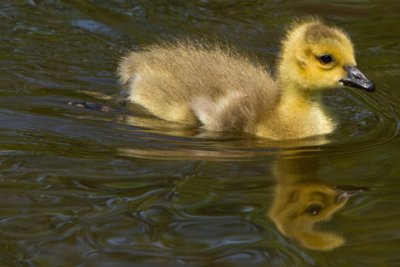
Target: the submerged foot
pixel 89 105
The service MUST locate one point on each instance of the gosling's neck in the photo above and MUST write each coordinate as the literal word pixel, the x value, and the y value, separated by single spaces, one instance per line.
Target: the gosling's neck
pixel 300 113
pixel 296 97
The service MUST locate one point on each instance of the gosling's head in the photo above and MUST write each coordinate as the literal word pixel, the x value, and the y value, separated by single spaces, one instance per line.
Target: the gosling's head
pixel 316 56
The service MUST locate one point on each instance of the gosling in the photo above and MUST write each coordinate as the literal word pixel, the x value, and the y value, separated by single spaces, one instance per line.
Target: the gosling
pixel 223 90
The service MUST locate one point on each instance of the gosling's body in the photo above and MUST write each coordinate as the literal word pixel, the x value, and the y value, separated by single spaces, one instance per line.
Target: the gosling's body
pixel 194 83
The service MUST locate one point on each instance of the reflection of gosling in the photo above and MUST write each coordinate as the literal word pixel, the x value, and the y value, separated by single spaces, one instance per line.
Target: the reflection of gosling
pixel 298 207
pixel 301 201
pixel 189 82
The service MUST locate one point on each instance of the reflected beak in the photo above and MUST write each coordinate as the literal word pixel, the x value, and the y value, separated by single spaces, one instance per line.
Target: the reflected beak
pixel 344 192
pixel 355 78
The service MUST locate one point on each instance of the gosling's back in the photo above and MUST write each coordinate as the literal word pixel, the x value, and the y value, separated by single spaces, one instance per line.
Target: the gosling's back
pixel 190 83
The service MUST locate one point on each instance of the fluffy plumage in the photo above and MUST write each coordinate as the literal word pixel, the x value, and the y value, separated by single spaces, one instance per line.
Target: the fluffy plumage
pixel 223 90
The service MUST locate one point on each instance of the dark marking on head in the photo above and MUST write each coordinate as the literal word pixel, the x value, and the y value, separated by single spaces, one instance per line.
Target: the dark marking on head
pixel 316 33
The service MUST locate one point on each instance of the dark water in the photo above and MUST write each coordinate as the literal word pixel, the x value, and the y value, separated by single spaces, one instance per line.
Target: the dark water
pixel 81 187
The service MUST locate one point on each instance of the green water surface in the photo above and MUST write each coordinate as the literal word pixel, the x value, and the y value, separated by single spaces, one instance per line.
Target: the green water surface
pixel 83 187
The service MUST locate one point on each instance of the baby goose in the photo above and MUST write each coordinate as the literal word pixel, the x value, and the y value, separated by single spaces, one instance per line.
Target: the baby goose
pixel 189 82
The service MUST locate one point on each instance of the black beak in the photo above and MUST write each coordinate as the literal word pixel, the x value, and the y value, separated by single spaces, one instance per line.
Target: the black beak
pixel 344 192
pixel 355 78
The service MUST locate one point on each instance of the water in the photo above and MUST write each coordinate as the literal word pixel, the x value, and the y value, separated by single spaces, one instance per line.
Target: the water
pixel 82 187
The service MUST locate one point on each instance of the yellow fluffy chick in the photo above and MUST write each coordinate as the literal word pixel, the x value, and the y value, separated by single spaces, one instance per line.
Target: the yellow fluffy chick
pixel 191 83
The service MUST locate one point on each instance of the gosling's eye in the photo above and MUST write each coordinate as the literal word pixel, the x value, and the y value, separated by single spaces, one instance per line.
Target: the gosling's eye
pixel 314 209
pixel 325 59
